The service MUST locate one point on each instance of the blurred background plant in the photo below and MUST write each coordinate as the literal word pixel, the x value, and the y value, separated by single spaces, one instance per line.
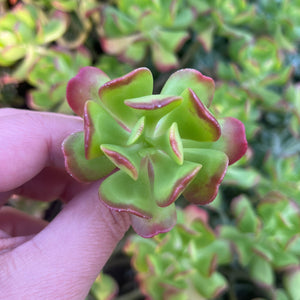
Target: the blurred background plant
pixel 246 244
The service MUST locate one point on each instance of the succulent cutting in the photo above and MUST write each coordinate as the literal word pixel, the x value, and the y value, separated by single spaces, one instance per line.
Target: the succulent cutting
pixel 150 148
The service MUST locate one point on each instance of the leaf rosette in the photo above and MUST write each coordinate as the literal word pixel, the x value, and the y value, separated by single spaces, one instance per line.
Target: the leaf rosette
pixel 151 148
pixel 132 28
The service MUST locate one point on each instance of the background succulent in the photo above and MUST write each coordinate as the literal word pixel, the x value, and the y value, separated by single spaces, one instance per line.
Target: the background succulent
pixel 131 28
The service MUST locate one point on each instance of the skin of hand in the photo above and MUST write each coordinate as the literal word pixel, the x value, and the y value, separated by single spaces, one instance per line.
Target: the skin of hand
pixel 59 260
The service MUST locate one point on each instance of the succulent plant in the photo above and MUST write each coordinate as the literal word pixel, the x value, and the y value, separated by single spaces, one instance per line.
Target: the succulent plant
pixel 24 31
pixel 280 19
pixel 292 98
pixel 104 288
pixel 112 66
pixel 50 76
pixel 266 239
pixel 181 264
pixel 132 27
pixel 153 147
pixel 259 68
pixel 233 100
pixel 230 18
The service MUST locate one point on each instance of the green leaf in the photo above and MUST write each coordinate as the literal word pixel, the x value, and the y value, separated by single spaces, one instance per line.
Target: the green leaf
pixel 245 178
pixel 121 192
pixel 52 30
pixel 78 166
pixel 163 220
pixel 171 40
pixel 261 271
pixel 192 114
pixel 136 131
pixel 100 128
pixel 11 54
pixel 170 179
pixel 153 107
pixel 83 87
pixel 125 158
pixel 209 287
pixel 232 141
pixel 104 287
pixel 247 220
pixel 137 83
pixel 204 188
pixel 292 282
pixel 201 85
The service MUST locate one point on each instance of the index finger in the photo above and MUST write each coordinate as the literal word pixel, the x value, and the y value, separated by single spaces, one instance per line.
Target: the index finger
pixel 31 141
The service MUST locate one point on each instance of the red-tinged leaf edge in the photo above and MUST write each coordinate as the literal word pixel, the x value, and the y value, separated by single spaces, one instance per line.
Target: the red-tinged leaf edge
pixel 203 86
pixel 233 132
pixel 121 161
pixel 159 223
pixel 83 87
pixel 204 188
pixel 78 166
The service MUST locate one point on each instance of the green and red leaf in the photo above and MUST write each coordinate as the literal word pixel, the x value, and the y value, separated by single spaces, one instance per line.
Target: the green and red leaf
pixel 78 166
pixel 83 87
pixel 138 83
pixel 204 188
pixel 192 114
pixel 100 128
pixel 203 86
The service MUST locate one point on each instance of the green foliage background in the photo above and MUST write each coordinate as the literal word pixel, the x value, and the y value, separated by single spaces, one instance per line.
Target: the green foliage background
pixel 246 244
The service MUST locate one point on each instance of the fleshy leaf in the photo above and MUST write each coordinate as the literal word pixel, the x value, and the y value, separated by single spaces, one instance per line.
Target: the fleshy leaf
pixel 175 144
pixel 84 86
pixel 100 128
pixel 261 271
pixel 292 282
pixel 170 179
pixel 202 86
pixel 125 158
pixel 164 59
pixel 153 186
pixel 78 166
pixel 135 52
pixel 172 40
pixel 119 191
pixel 204 188
pixel 137 83
pixel 192 114
pixel 232 141
pixel 104 287
pixel 234 137
pixel 154 107
pixel 163 220
pixel 136 131
pixel 116 46
pixel 247 220
pixel 154 102
pixel 170 143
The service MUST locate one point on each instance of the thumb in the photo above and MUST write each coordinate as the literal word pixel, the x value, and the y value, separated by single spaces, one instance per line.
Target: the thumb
pixel 63 260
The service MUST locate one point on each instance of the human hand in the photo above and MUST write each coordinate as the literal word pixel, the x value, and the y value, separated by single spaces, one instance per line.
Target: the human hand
pixel 59 260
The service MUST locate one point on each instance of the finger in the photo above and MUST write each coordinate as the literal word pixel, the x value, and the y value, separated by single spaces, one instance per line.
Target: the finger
pixel 16 223
pixel 9 243
pixel 67 255
pixel 9 111
pixel 29 142
pixel 50 184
